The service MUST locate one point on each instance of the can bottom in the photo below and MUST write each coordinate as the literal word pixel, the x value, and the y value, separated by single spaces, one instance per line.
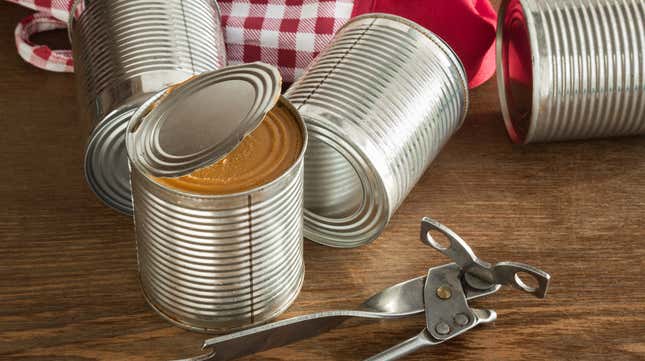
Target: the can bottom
pixel 106 161
pixel 346 204
pixel 224 330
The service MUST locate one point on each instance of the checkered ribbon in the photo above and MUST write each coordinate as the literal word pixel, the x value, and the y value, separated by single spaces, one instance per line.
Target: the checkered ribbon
pixel 287 33
pixel 42 56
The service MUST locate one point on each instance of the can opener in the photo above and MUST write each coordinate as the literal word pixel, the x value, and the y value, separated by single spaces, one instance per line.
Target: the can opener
pixel 442 295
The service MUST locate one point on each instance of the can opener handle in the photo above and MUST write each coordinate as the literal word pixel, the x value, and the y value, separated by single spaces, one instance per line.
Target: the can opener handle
pixel 448 314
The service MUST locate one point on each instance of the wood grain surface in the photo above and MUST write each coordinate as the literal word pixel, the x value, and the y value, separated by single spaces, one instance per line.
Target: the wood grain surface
pixel 68 280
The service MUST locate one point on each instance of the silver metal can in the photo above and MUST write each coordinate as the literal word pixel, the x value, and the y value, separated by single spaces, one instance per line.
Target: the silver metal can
pixel 571 69
pixel 125 51
pixel 214 263
pixel 379 103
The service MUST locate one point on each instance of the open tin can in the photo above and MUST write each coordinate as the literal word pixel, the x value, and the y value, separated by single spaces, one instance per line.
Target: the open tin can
pixel 125 51
pixel 571 69
pixel 379 103
pixel 209 262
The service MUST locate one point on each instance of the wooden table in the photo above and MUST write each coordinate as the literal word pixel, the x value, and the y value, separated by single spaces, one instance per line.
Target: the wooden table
pixel 68 279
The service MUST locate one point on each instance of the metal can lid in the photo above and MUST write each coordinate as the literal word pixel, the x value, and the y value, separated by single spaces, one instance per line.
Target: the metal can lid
pixel 196 123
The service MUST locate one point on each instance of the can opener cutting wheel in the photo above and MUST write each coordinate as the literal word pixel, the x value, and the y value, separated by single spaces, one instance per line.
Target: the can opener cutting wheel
pixel 442 295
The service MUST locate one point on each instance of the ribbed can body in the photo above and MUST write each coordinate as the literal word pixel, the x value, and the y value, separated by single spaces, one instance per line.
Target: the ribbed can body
pixel 125 51
pixel 379 103
pixel 572 69
pixel 225 262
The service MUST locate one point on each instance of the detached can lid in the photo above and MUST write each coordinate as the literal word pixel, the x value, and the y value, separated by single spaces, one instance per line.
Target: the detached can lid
pixel 196 123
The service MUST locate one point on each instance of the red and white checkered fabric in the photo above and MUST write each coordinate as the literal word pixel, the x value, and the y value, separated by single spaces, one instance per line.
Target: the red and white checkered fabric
pixel 285 33
pixel 42 56
pixel 58 9
pixel 288 34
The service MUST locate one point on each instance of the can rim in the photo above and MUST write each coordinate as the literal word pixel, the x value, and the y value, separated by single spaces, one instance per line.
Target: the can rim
pixel 71 20
pixel 299 160
pixel 385 217
pixel 91 144
pixel 501 74
pixel 432 37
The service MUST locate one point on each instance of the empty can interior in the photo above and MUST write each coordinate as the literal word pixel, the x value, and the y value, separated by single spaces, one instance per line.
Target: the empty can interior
pixel 515 71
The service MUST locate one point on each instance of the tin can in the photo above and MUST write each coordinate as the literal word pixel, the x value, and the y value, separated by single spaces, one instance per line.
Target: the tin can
pixel 214 263
pixel 379 104
pixel 125 51
pixel 571 69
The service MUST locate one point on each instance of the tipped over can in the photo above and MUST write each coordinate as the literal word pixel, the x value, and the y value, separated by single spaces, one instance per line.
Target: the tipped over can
pixel 570 69
pixel 213 257
pixel 125 51
pixel 379 103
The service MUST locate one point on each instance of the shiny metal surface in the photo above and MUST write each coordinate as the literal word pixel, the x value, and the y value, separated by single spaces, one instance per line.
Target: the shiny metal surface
pixel 409 297
pixel 104 156
pixel 571 69
pixel 377 114
pixel 216 263
pixel 482 274
pixel 425 339
pixel 447 316
pixel 125 51
pixel 196 123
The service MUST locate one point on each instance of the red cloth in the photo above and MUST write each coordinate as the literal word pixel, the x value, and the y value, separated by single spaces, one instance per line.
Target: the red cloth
pixel 288 33
pixel 467 25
